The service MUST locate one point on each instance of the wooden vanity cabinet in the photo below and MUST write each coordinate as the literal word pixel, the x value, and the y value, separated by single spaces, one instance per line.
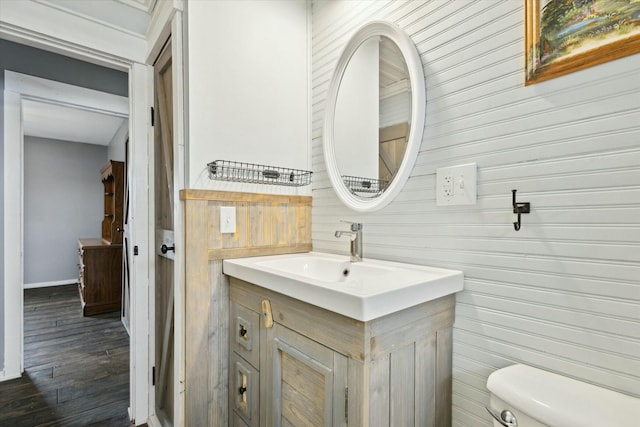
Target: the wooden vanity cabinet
pixel 314 367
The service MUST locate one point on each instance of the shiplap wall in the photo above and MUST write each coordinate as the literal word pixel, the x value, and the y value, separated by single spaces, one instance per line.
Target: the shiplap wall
pixel 563 293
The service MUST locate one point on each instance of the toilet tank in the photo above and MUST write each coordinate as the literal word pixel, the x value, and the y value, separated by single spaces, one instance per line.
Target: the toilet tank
pixel 541 398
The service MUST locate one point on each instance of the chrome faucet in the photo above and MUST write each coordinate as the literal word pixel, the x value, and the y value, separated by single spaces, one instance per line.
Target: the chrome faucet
pixel 355 237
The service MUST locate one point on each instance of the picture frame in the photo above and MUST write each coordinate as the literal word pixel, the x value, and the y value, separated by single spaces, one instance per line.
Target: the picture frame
pixel 563 36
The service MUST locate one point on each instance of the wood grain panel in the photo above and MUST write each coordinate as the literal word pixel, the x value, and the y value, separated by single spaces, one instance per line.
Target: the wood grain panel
pixel 198 316
pixel 304 381
pixel 266 224
pixel 306 397
pixel 425 386
pixel 303 392
pixel 334 331
pixel 227 196
pixel 379 405
pixel 298 410
pixel 402 386
pixel 444 342
pixel 358 390
pixel 218 341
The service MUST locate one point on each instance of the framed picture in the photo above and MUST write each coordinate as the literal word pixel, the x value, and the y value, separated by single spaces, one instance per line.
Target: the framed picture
pixel 563 36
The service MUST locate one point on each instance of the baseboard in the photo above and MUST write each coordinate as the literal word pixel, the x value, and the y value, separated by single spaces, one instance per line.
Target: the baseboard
pixel 6 377
pixel 47 284
pixel 153 421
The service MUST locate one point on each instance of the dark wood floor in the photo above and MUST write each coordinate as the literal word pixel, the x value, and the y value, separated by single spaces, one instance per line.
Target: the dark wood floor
pixel 76 368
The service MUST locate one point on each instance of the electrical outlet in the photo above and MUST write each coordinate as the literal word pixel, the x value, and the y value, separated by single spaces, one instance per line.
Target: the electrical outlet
pixel 447 186
pixel 456 185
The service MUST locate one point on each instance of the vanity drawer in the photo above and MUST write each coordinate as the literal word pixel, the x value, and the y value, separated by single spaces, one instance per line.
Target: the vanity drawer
pixel 244 391
pixel 244 333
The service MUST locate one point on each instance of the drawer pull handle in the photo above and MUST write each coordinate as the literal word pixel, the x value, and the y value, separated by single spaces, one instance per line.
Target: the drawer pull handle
pixel 267 316
pixel 242 390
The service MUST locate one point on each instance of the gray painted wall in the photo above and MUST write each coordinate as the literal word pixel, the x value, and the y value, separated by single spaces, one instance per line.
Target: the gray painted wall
pixel 36 62
pixel 62 202
pixel 116 149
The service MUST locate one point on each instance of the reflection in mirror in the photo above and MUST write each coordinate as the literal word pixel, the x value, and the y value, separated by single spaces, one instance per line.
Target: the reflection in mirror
pixel 372 117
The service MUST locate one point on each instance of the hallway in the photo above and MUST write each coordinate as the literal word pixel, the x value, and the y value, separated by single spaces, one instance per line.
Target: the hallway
pixel 76 368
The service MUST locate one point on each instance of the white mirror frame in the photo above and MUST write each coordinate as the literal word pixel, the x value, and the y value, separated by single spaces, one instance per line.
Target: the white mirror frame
pixel 418 109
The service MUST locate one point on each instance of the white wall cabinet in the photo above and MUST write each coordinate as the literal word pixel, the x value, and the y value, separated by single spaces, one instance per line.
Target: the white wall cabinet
pixel 318 368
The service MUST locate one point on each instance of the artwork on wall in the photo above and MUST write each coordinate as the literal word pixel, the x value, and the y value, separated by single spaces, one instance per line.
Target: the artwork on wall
pixel 563 36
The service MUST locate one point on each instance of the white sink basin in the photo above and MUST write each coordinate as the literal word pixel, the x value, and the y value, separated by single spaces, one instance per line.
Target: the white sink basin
pixel 363 290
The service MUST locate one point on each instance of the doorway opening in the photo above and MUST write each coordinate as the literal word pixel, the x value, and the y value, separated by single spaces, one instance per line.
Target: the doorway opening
pixel 41 162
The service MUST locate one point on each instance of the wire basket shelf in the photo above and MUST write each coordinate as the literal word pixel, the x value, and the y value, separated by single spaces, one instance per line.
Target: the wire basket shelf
pixel 358 184
pixel 226 170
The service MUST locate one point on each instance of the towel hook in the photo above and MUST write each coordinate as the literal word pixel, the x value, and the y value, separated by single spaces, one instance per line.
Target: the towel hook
pixel 519 208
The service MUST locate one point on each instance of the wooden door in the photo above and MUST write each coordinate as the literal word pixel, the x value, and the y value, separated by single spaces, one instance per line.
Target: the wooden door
pixel 393 144
pixel 305 382
pixel 164 243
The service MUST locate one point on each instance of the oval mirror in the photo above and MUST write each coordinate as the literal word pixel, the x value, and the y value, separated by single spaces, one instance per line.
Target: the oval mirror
pixel 374 117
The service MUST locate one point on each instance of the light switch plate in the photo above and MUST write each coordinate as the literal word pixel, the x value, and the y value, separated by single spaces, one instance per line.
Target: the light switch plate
pixel 456 185
pixel 227 219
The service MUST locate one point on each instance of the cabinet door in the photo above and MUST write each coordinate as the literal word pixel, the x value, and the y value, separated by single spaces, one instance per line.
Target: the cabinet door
pixel 305 382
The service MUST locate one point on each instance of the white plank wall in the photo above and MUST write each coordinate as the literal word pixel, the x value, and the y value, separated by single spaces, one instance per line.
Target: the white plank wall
pixel 563 293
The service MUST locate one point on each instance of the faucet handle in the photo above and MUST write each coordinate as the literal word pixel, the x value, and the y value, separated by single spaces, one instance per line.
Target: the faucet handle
pixel 355 226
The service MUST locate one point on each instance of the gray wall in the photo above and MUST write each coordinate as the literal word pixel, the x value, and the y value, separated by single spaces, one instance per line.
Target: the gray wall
pixel 62 202
pixel 36 62
pixel 116 149
pixel 563 293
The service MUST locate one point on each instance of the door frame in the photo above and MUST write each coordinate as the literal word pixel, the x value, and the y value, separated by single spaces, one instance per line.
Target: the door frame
pixel 19 87
pixel 173 32
pixel 69 35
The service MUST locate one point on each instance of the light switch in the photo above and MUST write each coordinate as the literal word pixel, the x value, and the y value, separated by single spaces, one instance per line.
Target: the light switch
pixel 227 219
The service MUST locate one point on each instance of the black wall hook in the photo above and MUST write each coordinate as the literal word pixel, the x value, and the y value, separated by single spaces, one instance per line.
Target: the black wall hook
pixel 519 208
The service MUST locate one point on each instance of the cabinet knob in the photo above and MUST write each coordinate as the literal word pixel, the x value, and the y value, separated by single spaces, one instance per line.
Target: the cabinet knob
pixel 243 331
pixel 242 389
pixel 164 248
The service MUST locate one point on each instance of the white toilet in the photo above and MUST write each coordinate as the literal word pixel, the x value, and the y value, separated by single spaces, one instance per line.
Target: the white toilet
pixel 522 396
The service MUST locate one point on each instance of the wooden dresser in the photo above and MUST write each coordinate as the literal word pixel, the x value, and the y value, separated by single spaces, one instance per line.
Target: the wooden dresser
pixel 100 261
pixel 100 276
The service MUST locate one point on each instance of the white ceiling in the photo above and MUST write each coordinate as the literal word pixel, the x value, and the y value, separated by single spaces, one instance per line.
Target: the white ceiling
pixel 46 120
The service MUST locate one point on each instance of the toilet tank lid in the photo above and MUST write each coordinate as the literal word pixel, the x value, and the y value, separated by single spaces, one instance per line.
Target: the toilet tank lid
pixel 556 400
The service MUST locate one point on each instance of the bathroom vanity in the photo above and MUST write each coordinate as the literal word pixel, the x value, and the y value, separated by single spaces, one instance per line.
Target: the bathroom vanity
pixel 293 362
